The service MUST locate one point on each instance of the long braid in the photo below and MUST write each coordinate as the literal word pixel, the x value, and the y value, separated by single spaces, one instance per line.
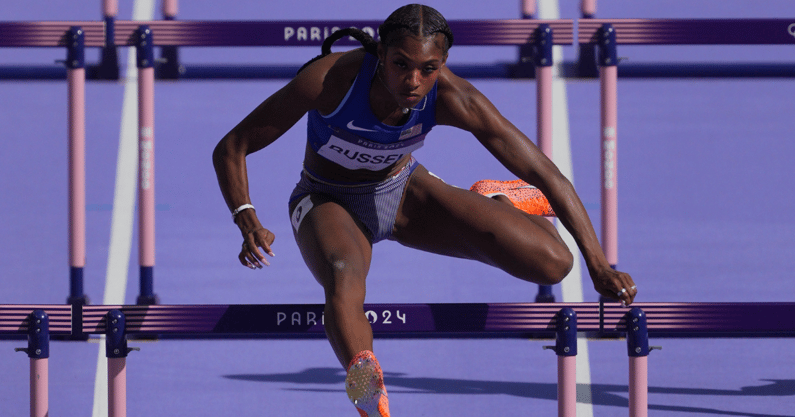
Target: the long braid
pixel 367 41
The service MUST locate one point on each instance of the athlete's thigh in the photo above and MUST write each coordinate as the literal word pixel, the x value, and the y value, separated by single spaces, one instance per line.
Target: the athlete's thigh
pixel 440 218
pixel 332 243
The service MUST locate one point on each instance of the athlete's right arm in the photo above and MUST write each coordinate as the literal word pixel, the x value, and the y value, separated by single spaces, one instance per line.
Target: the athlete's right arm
pixel 270 120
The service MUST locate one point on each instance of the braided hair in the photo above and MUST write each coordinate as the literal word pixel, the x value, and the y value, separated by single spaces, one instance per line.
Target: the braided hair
pixel 417 20
pixel 411 19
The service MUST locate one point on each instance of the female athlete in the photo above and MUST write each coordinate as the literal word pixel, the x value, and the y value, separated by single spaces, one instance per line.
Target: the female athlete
pixel 368 110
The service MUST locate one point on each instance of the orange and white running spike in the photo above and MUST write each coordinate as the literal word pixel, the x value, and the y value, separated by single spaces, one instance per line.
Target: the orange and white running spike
pixel 523 195
pixel 365 386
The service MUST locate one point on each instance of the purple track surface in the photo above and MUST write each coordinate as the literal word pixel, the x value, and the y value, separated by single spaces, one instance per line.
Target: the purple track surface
pixel 705 216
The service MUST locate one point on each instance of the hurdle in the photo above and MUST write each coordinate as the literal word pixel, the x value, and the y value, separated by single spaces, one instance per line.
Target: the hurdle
pixel 504 320
pixel 169 66
pixel 76 36
pixel 562 321
pixel 402 320
pixel 606 35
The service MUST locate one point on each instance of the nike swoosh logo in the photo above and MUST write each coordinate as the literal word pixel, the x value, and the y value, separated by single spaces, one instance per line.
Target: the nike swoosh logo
pixel 352 127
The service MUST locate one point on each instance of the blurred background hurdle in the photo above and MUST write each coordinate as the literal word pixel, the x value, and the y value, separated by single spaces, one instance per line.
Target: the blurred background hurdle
pixel 636 32
pixel 607 34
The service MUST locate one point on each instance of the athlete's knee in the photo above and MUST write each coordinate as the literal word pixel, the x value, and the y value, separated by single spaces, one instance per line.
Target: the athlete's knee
pixel 344 280
pixel 556 265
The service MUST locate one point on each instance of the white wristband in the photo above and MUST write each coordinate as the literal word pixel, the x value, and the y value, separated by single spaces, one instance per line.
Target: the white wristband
pixel 241 208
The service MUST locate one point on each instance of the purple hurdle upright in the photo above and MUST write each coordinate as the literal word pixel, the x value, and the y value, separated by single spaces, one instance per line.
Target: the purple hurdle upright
pixel 38 351
pixel 146 163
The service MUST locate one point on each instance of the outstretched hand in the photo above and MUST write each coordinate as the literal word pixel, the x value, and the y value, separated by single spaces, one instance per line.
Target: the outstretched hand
pixel 250 254
pixel 614 284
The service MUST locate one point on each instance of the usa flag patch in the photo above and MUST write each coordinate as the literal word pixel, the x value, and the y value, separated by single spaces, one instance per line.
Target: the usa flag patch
pixel 410 133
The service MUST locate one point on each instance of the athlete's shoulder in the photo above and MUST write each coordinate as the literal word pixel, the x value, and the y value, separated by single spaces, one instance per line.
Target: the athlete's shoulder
pixel 457 98
pixel 452 85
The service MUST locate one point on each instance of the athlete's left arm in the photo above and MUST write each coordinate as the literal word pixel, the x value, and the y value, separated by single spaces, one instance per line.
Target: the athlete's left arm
pixel 461 105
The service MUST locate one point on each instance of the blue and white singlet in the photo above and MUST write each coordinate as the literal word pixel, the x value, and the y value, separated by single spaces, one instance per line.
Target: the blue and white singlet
pixel 351 136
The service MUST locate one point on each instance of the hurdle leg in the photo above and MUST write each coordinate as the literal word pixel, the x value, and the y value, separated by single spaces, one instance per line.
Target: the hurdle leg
pixel 38 351
pixel 608 81
pixel 567 386
pixel 76 82
pixel 39 387
pixel 117 387
pixel 146 166
pixel 566 350
pixel 638 352
pixel 638 386
pixel 543 69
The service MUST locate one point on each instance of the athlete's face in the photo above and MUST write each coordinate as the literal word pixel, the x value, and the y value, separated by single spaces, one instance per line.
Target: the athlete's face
pixel 412 66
